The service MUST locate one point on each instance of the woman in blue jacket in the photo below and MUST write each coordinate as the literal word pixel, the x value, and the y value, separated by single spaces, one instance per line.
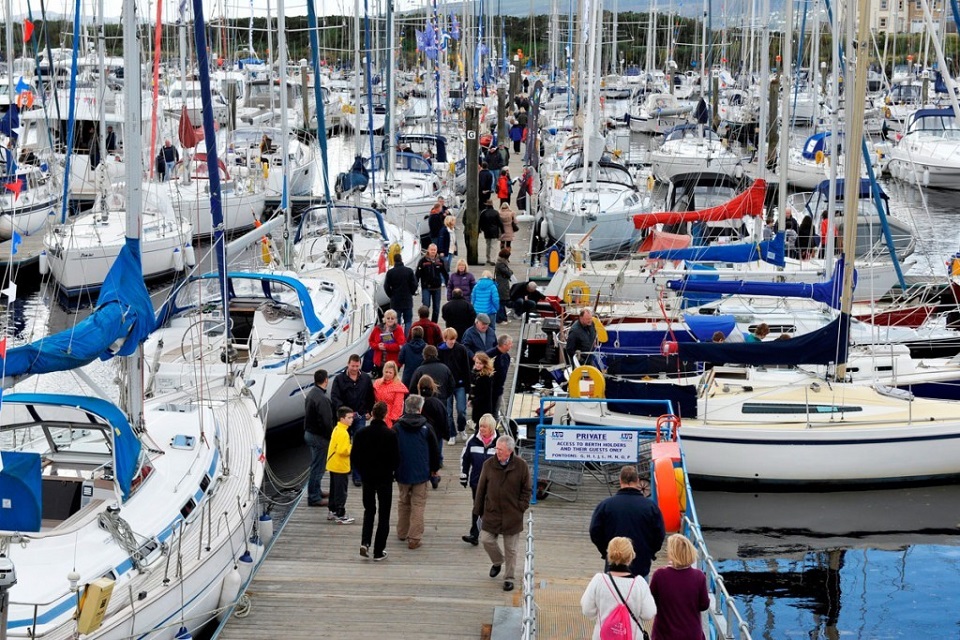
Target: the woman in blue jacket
pixel 486 298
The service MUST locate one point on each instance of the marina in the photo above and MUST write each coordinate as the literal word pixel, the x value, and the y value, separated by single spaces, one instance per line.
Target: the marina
pixel 722 244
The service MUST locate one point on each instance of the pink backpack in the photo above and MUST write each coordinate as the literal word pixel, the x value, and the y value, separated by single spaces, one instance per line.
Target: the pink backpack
pixel 618 625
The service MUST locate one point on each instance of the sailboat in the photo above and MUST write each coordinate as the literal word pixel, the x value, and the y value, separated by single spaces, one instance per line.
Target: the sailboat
pixel 124 521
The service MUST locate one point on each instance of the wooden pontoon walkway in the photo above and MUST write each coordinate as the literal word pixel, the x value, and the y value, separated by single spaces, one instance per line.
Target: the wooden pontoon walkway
pixel 314 584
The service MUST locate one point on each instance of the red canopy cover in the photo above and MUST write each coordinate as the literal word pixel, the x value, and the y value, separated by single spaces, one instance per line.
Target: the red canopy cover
pixel 748 203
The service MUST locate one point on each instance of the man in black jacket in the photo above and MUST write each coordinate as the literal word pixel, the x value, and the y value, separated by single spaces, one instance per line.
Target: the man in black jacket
pixel 317 428
pixel 354 389
pixel 628 513
pixel 400 284
pixel 435 369
pixel 491 226
pixel 432 274
pixel 459 314
pixel 457 358
pixel 376 455
pixel 485 183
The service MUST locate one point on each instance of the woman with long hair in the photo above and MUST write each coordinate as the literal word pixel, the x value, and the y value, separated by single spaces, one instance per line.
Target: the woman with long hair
pixel 481 387
pixel 389 390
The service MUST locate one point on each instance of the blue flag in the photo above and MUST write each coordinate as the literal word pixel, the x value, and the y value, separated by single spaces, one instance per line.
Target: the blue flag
pixel 15 242
pixel 22 85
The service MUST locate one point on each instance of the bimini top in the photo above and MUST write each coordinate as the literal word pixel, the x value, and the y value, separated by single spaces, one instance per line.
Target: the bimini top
pixel 823 189
pixel 816 142
pixel 126 445
pixel 310 319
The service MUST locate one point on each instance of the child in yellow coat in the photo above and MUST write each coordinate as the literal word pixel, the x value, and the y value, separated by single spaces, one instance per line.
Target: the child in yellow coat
pixel 338 464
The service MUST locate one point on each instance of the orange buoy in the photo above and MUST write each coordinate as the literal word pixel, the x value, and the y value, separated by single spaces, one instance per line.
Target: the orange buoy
pixel 668 498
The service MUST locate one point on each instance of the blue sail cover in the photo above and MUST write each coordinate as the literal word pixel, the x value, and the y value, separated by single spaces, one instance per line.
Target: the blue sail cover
pixel 20 491
pixel 123 313
pixel 826 345
pixel 126 445
pixel 825 292
pixel 771 251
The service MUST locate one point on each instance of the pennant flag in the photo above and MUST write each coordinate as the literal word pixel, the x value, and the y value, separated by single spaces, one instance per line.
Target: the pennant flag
pixel 10 292
pixel 15 241
pixel 188 136
pixel 421 44
pixel 27 30
pixel 22 85
pixel 16 187
pixel 3 347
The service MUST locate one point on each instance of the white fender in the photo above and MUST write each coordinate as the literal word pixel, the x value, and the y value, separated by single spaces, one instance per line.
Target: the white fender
pixel 44 265
pixel 177 259
pixel 245 566
pixel 229 591
pixel 266 528
pixel 190 255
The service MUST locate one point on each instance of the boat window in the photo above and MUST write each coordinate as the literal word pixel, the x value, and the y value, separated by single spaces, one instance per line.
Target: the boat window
pixel 795 408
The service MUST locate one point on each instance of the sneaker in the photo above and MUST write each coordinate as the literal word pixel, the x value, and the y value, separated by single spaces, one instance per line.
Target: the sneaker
pixel 331 515
pixel 380 557
pixel 344 520
pixel 452 440
pixel 364 551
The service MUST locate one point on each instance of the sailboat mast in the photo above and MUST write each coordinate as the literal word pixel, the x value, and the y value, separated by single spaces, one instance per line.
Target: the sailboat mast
pixel 786 115
pixel 133 167
pixel 859 51
pixel 285 130
pixel 8 36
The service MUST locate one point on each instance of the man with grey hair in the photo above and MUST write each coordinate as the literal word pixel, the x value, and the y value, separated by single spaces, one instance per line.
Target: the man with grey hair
pixel 503 495
pixel 581 336
pixel 419 462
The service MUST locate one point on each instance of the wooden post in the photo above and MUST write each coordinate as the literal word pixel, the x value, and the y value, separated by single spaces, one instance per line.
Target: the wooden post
pixel 773 139
pixel 471 209
pixel 501 114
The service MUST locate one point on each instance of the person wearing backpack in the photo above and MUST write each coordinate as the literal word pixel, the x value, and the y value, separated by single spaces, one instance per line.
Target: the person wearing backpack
pixel 680 591
pixel 617 599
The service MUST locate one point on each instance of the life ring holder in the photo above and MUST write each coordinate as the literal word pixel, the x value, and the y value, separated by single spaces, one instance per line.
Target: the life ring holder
pixel 599 383
pixel 668 498
pixel 574 285
pixel 670 423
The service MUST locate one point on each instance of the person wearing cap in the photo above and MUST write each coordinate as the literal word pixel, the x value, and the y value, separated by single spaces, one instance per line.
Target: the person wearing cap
pixel 481 337
pixel 524 297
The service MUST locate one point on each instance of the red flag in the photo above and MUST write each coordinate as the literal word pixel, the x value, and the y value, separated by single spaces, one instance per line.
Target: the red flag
pixel 27 30
pixel 188 138
pixel 16 186
pixel 3 347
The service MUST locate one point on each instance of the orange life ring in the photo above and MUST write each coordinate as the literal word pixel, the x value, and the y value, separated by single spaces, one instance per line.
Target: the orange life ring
pixel 668 499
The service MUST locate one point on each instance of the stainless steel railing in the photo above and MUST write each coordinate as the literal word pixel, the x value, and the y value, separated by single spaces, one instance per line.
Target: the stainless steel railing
pixel 529 607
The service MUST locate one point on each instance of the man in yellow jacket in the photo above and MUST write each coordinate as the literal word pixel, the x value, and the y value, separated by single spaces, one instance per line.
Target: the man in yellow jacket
pixel 338 464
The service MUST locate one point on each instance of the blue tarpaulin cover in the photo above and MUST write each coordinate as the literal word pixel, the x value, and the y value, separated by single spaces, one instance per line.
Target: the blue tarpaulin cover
pixel 21 503
pixel 123 312
pixel 771 251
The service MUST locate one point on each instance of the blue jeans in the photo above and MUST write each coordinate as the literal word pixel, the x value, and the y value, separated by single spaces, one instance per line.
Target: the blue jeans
pixel 318 465
pixel 169 167
pixel 460 395
pixel 359 422
pixel 431 298
pixel 406 317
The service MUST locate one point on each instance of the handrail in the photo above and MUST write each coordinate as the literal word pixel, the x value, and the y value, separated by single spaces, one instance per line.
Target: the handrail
pixel 529 607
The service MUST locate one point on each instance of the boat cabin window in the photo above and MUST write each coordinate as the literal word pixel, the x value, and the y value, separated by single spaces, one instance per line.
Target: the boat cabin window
pixel 795 408
pixel 605 173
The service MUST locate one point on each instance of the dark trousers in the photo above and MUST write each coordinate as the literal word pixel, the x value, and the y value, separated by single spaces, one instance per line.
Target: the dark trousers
pixel 516 146
pixel 474 528
pixel 431 298
pixel 338 493
pixel 405 316
pixel 376 493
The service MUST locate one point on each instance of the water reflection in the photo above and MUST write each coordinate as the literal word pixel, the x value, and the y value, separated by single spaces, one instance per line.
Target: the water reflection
pixel 870 564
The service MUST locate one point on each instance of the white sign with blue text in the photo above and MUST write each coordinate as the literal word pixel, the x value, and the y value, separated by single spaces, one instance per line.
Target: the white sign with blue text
pixel 571 444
